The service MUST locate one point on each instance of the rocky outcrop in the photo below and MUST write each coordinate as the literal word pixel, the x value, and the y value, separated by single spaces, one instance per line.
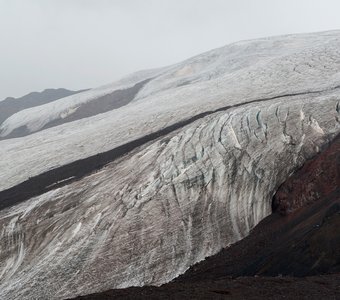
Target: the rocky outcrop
pixel 318 179
pixel 137 195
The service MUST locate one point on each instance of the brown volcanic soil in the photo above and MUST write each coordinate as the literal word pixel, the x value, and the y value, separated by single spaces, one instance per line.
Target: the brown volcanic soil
pixel 317 287
pixel 300 241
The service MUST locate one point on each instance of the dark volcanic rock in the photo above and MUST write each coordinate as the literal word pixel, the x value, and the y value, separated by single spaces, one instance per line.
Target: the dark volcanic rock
pixel 316 180
pixel 316 287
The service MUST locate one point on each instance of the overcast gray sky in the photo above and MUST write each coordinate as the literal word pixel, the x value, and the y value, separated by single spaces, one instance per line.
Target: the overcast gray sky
pixel 86 43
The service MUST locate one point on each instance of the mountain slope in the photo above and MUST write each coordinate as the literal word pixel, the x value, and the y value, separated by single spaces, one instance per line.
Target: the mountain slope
pixel 265 68
pixel 138 194
pixel 11 106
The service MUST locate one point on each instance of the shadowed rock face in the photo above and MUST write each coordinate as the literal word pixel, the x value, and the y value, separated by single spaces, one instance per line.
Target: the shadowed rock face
pixel 316 180
pixel 10 106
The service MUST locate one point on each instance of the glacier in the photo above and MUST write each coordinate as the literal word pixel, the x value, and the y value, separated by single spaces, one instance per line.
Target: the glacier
pixel 262 109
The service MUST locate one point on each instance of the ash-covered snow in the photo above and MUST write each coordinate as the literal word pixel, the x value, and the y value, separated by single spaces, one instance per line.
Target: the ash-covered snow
pixel 148 216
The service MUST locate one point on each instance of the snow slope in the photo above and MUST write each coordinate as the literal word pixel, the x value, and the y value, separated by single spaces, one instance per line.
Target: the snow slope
pixel 266 68
pixel 149 215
